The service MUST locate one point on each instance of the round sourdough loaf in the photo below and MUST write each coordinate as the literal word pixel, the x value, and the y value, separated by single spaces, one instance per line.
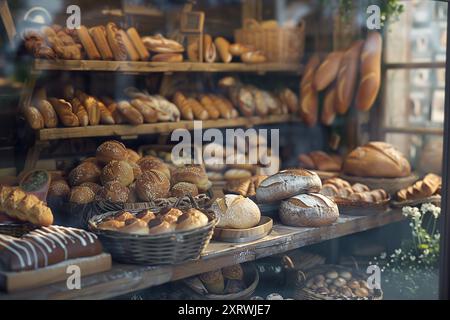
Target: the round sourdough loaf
pixel 85 172
pixel 376 160
pixel 111 150
pixel 152 185
pixel 81 195
pixel 308 210
pixel 184 188
pixel 236 212
pixel 120 171
pixel 133 156
pixel 286 184
pixel 114 192
pixel 152 163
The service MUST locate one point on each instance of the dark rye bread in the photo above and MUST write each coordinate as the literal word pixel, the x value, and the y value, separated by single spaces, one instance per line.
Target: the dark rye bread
pixel 45 247
pixel 308 210
pixel 286 184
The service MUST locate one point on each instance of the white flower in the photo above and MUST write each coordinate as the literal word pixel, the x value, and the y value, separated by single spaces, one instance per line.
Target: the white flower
pixel 383 255
pixel 398 251
pixel 426 252
pixel 413 258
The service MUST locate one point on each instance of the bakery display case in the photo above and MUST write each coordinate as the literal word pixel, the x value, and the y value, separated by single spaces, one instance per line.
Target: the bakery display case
pixel 224 150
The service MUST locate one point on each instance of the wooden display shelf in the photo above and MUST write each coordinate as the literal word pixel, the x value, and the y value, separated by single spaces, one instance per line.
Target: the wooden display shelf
pixel 123 279
pixel 145 67
pixel 152 128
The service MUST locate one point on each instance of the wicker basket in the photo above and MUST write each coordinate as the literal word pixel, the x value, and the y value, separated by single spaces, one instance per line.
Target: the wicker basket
pixel 285 45
pixel 161 249
pixel 301 292
pixel 16 229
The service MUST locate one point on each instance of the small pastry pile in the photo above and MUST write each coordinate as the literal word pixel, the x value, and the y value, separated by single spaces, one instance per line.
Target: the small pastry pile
pixel 429 186
pixel 339 189
pixel 148 223
pixel 246 187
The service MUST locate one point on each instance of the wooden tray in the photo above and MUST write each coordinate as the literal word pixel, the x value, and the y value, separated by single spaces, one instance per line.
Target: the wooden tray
pixel 436 200
pixel 244 235
pixel 390 185
pixel 361 208
pixel 17 281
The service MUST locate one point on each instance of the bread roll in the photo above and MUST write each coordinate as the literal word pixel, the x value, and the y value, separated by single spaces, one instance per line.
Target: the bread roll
pixel 309 101
pixel 377 160
pixel 133 156
pixel 290 99
pixel 133 55
pixel 81 195
pixel 145 215
pixel 116 43
pixel 136 40
pixel 85 172
pixel 59 188
pixel 114 192
pixel 253 57
pixel 328 70
pixel 238 49
pixel 152 163
pixel 233 272
pixel 209 49
pixel 246 102
pixel 159 44
pixel 171 215
pixel 286 184
pixel 159 226
pixel 111 150
pixel 64 111
pixel 106 116
pixel 150 115
pixel 346 80
pixel 197 109
pixel 182 189
pixel 370 71
pixel 192 219
pixel 208 105
pixel 88 44
pixel 261 106
pixel 99 36
pixel 152 185
pixel 308 210
pixel 237 174
pixel 131 114
pixel 183 105
pixel 213 281
pixel 224 110
pixel 48 113
pixel 91 105
pixel 120 171
pixel 194 174
pixel 236 212
pixel 96 188
pixel 80 111
pixel 223 46
pixel 34 118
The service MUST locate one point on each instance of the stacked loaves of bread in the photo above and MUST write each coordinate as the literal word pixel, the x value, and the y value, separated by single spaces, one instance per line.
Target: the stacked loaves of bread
pixel 341 76
pixel 119 175
pixel 319 160
pixel 148 223
pixel 429 186
pixel 301 203
pixel 339 189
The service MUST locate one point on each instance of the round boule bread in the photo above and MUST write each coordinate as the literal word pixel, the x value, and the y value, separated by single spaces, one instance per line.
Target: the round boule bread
pixel 184 188
pixel 85 172
pixel 308 210
pixel 59 188
pixel 152 163
pixel 194 174
pixel 236 212
pixel 133 156
pixel 286 184
pixel 152 185
pixel 137 171
pixel 95 187
pixel 81 195
pixel 120 171
pixel 111 150
pixel 114 192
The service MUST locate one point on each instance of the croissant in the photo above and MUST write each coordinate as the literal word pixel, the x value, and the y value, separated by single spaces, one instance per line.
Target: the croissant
pixel 25 207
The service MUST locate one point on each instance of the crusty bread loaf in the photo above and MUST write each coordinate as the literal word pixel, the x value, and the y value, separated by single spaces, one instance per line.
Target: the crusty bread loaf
pixel 378 160
pixel 106 116
pixel 223 46
pixel 34 118
pixel 133 55
pixel 59 188
pixel 209 106
pixel 88 44
pixel 130 113
pixel 422 189
pixel 290 99
pixel 85 172
pixel 309 101
pixel 236 212
pixel 159 44
pixel 152 185
pixel 346 80
pixel 168 57
pixel 136 40
pixel 48 113
pixel 329 106
pixel 64 111
pixel 81 195
pixel 253 57
pixel 114 192
pixel 115 42
pixel 99 36
pixel 120 171
pixel 195 174
pixel 286 184
pixel 209 49
pixel 370 71
pixel 184 188
pixel 150 115
pixel 80 111
pixel 308 210
pixel 152 163
pixel 328 70
pixel 198 110
pixel 183 105
pixel 111 150
pixel 133 156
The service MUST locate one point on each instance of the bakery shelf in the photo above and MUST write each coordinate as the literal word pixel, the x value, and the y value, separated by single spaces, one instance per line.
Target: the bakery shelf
pixel 146 67
pixel 123 279
pixel 152 128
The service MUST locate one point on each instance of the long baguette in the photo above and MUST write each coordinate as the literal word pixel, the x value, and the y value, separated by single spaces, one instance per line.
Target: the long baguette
pixel 88 43
pixel 138 44
pixel 328 70
pixel 309 100
pixel 65 113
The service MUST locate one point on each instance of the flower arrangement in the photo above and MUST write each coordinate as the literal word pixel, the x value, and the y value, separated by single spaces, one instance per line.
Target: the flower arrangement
pixel 412 267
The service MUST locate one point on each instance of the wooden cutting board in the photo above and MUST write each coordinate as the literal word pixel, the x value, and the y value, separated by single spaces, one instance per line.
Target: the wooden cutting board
pixel 17 281
pixel 244 235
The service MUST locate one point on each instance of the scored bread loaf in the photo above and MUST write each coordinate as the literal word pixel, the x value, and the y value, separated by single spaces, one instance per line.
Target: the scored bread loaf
pixel 130 113
pixel 112 107
pixel 120 171
pixel 64 111
pixel 224 109
pixel 197 109
pixel 136 40
pixel 88 44
pixel 378 160
pixel 34 118
pixel 290 99
pixel 309 101
pixel 223 46
pixel 370 72
pixel 99 36
pixel 286 184
pixel 152 185
pixel 424 188
pixel 308 210
pixel 92 108
pixel 133 55
pixel 152 163
pixel 106 116
pixel 80 112
pixel 114 192
pixel 111 150
pixel 59 188
pixel 85 172
pixel 184 106
pixel 346 80
pixel 81 195
pixel 115 42
pixel 48 113
pixel 236 212
pixel 194 174
pixel 329 106
pixel 328 70
pixel 150 115
pixel 209 106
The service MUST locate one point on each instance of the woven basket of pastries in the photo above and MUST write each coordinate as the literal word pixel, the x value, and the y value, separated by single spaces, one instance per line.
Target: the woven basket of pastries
pixel 333 282
pixel 351 198
pixel 155 236
pixel 236 282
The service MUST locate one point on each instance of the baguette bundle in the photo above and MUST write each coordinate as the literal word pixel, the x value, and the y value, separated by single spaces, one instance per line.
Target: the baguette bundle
pixel 309 100
pixel 339 189
pixel 427 187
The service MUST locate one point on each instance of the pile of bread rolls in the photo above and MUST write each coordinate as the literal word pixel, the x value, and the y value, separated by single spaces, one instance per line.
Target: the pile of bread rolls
pixel 301 203
pixel 119 175
pixel 339 189
pixel 96 43
pixel 227 280
pixel 147 222
pixel 337 76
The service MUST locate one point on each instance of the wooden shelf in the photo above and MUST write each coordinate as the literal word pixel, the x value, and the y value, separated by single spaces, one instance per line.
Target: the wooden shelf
pixel 123 279
pixel 415 130
pixel 152 128
pixel 145 67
